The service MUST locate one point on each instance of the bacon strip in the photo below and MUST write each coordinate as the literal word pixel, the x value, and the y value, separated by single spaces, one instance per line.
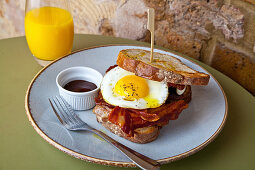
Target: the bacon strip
pixel 130 119
pixel 111 67
pixel 145 115
pixel 170 108
pixel 120 117
pixel 168 112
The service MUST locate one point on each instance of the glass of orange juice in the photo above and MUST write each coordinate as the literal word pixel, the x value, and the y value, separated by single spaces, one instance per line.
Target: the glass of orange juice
pixel 49 29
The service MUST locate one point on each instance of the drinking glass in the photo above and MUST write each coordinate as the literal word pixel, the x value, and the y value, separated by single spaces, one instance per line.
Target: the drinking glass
pixel 49 29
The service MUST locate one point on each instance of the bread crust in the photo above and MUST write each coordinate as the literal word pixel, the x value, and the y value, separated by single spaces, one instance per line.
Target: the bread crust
pixel 155 71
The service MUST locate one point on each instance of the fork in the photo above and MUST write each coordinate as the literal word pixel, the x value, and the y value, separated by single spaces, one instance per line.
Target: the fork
pixel 71 121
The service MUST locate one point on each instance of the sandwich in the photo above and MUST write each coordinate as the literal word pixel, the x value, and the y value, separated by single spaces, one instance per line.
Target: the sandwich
pixel 138 97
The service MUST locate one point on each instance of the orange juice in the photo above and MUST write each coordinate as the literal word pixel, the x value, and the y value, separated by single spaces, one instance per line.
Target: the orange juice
pixel 49 32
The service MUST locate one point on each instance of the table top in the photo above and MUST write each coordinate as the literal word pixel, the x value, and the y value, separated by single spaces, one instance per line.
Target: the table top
pixel 22 148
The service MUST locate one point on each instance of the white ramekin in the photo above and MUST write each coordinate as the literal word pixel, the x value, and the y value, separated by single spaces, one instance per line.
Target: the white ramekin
pixel 79 100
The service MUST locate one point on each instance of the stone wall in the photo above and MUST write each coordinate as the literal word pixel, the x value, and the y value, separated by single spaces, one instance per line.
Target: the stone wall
pixel 218 32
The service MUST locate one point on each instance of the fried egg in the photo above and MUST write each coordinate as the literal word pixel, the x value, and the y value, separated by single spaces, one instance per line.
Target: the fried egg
pixel 124 89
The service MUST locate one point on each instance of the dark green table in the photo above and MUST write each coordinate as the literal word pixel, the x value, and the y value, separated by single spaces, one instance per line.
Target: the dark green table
pixel 22 148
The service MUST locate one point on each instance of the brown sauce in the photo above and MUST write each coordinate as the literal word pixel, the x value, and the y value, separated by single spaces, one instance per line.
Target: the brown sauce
pixel 80 86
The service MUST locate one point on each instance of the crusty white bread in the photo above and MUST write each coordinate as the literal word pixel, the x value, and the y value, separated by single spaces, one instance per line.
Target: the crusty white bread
pixel 163 68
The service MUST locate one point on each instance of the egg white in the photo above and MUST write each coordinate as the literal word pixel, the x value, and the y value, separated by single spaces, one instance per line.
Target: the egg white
pixel 158 91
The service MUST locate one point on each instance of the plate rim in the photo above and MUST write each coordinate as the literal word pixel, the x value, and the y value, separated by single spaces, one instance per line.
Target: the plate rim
pixel 110 162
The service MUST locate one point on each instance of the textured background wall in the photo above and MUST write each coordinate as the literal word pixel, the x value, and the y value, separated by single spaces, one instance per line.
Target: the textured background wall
pixel 218 32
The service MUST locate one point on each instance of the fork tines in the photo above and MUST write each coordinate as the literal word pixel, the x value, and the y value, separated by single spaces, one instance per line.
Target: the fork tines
pixel 63 111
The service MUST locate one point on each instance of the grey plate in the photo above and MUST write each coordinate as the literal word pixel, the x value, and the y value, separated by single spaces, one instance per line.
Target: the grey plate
pixel 195 128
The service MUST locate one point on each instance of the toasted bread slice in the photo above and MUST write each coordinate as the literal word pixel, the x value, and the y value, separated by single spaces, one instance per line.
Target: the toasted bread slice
pixel 163 68
pixel 141 135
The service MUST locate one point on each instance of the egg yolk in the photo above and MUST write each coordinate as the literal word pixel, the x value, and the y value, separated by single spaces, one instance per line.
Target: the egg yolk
pixel 132 87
